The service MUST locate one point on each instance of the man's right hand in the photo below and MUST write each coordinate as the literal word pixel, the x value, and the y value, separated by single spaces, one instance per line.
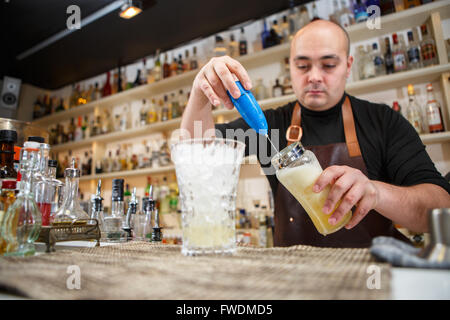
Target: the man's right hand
pixel 216 77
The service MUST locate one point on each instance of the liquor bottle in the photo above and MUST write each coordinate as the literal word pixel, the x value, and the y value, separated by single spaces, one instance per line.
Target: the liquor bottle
pixel 86 128
pixel 143 114
pixel 152 115
pixel 174 67
pixel 157 72
pixel 137 80
pixel 194 59
pixel 287 83
pixel 166 66
pixel 276 28
pixel 346 17
pixel 265 34
pixel 219 47
pixel 145 72
pixel 7 140
pixel 369 67
pixel 7 198
pixel 243 50
pixel 107 163
pixel 71 130
pixel 233 47
pixel 181 101
pixel 387 6
pixel 413 113
pixel 315 13
pixel 399 5
pixel 54 195
pixel 148 187
pixel 113 222
pixel 433 111
pixel 37 108
pixel 428 48
pixel 126 196
pixel 304 17
pixel 78 136
pixel 285 30
pixel 174 106
pixel 164 195
pixel 396 107
pixel 334 16
pixel 186 61
pixel 97 206
pixel 260 91
pixel 180 64
pixel 165 110
pixel 148 208
pixel 413 52
pixel 388 58
pixel 277 90
pixel 293 17
pixel 378 61
pixel 107 90
pixel 106 123
pixel 360 11
pixel 22 221
pixel 399 55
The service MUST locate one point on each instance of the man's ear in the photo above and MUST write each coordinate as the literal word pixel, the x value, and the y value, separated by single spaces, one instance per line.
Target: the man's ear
pixel 349 65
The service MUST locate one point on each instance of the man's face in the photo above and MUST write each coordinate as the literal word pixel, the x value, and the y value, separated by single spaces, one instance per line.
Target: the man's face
pixel 319 66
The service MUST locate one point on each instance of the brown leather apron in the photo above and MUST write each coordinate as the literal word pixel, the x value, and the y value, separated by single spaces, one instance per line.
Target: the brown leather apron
pixel 293 225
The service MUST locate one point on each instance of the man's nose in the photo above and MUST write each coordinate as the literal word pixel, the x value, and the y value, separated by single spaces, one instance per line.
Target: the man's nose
pixel 315 75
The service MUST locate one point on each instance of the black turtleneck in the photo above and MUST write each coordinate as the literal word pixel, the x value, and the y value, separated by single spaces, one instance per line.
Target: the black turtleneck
pixel 391 148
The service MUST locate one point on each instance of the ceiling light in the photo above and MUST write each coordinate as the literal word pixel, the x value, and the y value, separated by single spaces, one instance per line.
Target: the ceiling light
pixel 130 9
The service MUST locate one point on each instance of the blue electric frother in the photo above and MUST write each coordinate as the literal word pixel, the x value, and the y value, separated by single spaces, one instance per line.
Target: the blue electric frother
pixel 250 110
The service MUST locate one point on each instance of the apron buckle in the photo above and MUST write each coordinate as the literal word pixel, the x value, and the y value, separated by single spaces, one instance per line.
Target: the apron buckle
pixel 299 133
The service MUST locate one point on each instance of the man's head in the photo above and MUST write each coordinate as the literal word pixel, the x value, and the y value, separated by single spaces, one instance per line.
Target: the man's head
pixel 320 63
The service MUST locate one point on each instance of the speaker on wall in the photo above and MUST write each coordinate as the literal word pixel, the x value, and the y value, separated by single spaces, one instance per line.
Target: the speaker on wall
pixel 9 98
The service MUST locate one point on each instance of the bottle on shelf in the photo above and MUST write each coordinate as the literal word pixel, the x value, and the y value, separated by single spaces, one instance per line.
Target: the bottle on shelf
pixel 165 110
pixel 293 17
pixel 152 114
pixel 180 68
pixel 315 12
pixel 157 72
pixel 71 131
pixel 388 57
pixel 334 16
pixel 396 107
pixel 304 17
pixel 107 163
pixel 166 66
pixel 413 52
pixel 107 89
pixel 22 221
pixel 78 136
pixel 428 48
pixel 137 80
pixel 287 83
pixel 174 66
pixel 186 61
pixel 360 11
pixel 378 60
pixel 277 90
pixel 260 90
pixel 399 55
pixel 7 140
pixel 219 47
pixel 399 5
pixel 7 197
pixel 194 59
pixel 433 112
pixel 143 114
pixel 148 187
pixel 243 49
pixel 276 28
pixel 265 34
pixel 413 113
pixel 233 47
pixel 346 17
pixel 285 30
pixel 174 106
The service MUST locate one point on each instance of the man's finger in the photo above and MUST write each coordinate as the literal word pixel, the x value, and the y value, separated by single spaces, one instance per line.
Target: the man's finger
pixel 363 207
pixel 236 68
pixel 208 91
pixel 217 86
pixel 226 77
pixel 348 201
pixel 329 175
pixel 337 191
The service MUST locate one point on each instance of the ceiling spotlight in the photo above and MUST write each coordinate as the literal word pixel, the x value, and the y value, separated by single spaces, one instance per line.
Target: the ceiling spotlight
pixel 130 9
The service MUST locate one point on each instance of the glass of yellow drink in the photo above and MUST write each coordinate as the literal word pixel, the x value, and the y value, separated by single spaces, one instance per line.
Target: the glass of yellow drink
pixel 298 169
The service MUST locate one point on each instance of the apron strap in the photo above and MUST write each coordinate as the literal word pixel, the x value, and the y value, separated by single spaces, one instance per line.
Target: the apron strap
pixel 294 132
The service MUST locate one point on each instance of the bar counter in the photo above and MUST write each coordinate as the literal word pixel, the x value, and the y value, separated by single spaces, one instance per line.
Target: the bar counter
pixel 142 270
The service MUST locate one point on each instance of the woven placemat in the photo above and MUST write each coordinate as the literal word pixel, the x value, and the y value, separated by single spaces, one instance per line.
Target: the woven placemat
pixel 142 270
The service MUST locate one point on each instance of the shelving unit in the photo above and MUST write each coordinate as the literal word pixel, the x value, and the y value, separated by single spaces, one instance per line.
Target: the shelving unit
pixel 433 13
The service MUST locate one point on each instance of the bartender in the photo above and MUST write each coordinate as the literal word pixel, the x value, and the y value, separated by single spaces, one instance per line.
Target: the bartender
pixel 374 160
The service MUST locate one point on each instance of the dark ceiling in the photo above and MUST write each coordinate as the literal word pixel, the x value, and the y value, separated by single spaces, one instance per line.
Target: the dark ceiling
pixel 101 45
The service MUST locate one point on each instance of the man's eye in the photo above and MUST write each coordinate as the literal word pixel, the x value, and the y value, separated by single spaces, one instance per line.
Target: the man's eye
pixel 329 66
pixel 302 67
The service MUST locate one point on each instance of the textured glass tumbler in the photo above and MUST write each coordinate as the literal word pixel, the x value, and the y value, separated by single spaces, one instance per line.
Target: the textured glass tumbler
pixel 207 173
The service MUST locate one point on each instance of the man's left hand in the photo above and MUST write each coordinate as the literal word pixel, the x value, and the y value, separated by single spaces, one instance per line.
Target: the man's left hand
pixel 352 187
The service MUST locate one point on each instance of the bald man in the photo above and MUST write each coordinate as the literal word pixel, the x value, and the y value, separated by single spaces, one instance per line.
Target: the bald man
pixel 373 159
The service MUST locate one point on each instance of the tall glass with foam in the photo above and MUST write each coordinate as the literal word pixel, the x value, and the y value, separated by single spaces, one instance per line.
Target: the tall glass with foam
pixel 298 169
pixel 207 173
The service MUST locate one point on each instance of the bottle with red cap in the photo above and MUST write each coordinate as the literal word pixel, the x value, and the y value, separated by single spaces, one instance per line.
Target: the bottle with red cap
pixel 7 140
pixel 434 113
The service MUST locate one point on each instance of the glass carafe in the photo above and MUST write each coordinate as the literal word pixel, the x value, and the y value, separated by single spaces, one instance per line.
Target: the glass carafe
pixel 22 222
pixel 298 169
pixel 70 210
